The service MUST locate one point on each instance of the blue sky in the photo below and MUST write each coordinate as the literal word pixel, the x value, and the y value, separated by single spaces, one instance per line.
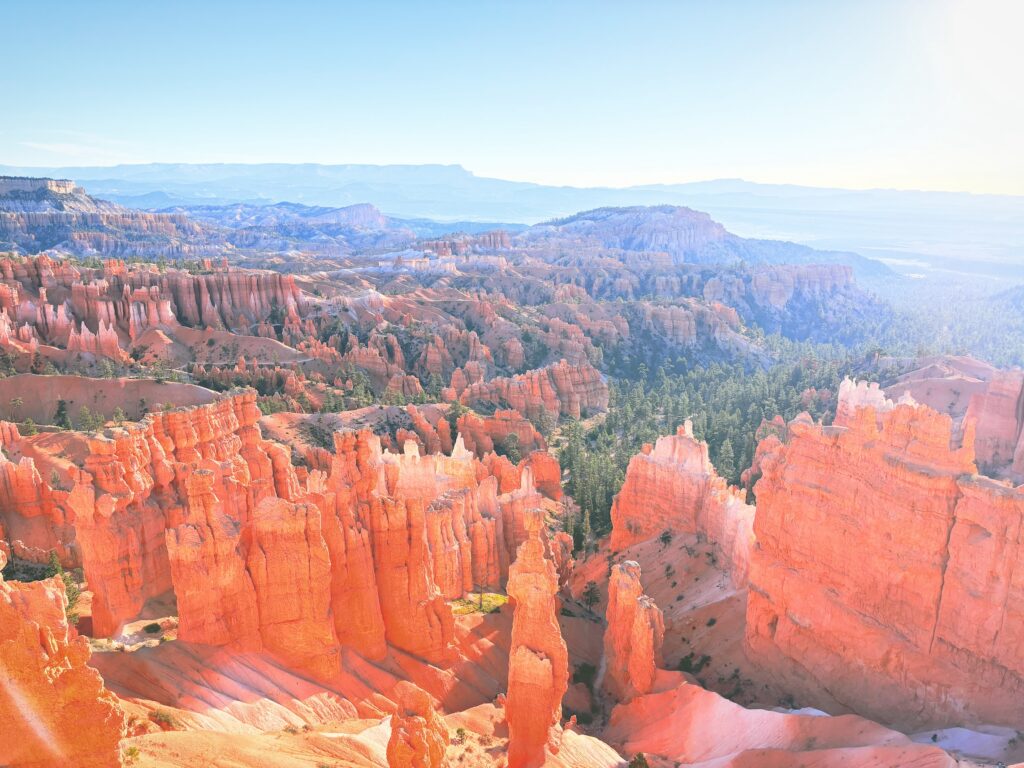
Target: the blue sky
pixel 870 93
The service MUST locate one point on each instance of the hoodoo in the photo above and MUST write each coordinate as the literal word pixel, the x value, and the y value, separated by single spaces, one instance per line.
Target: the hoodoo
pixel 419 737
pixel 633 638
pixel 538 673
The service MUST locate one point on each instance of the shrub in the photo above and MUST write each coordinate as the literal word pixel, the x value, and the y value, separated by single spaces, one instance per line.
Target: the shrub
pixel 163 718
pixel 71 589
pixel 152 628
pixel 693 665
pixel 585 673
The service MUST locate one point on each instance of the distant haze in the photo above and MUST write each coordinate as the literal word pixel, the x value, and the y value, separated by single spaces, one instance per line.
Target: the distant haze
pixel 955 232
pixel 869 93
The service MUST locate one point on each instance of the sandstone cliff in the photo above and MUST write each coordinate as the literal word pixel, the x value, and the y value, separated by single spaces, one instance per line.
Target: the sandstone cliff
pixel 196 504
pixel 673 487
pixel 54 709
pixel 884 568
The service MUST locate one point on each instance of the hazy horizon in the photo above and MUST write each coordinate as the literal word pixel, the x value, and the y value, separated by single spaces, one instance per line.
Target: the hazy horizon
pixel 28 169
pixel 874 95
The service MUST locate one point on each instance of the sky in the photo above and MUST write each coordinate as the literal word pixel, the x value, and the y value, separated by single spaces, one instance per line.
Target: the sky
pixel 905 94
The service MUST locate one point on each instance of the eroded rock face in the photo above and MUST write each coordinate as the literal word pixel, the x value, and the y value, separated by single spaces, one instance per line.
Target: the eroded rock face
pixel 998 414
pixel 538 673
pixel 100 311
pixel 561 389
pixel 633 638
pixel 196 504
pixel 483 434
pixel 975 395
pixel 54 709
pixel 884 570
pixel 673 487
pixel 416 617
pixel 419 736
pixel 56 212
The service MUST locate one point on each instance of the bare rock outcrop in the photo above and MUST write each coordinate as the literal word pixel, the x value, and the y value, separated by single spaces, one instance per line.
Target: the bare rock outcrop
pixel 538 661
pixel 419 736
pixel 884 569
pixel 673 487
pixel 633 638
pixel 561 389
pixel 54 709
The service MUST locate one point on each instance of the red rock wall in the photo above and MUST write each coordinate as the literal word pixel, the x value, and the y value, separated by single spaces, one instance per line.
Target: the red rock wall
pixel 86 310
pixel 54 709
pixel 673 487
pixel 884 571
pixel 560 389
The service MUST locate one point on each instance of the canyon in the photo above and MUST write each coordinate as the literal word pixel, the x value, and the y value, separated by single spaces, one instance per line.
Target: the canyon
pixel 331 505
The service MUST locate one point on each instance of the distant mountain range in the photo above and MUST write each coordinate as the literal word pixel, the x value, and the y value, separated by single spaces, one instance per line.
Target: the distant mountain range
pixel 931 234
pixel 38 213
pixel 916 232
pixel 923 233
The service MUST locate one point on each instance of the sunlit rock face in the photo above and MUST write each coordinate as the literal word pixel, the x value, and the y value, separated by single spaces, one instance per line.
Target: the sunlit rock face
pixel 54 709
pixel 633 638
pixel 196 504
pixel 538 673
pixel 884 569
pixel 560 389
pixel 419 736
pixel 672 487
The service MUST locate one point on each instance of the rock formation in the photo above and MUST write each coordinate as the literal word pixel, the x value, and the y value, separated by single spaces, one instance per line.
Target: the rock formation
pixel 884 568
pixel 415 614
pixel 673 487
pixel 36 214
pixel 54 709
pixel 633 638
pixel 419 736
pixel 195 503
pixel 684 724
pixel 559 389
pixel 538 673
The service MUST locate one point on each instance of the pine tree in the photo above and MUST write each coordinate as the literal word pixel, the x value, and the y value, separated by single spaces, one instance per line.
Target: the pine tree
pixel 71 589
pixel 60 416
pixel 86 421
pixel 511 448
pixel 726 461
